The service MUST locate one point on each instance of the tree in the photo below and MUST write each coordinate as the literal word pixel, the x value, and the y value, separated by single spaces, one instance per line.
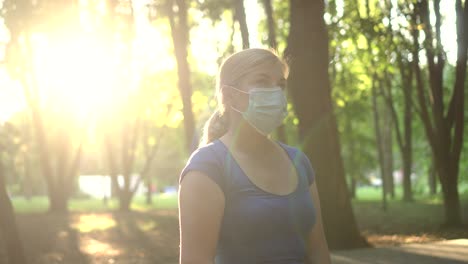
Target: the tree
pixel 443 119
pixel 177 12
pixel 20 18
pixel 379 140
pixel 307 52
pixel 132 137
pixel 351 94
pixel 8 228
pixel 239 16
pixel 128 136
pixel 400 47
pixel 214 9
pixel 372 26
pixel 403 135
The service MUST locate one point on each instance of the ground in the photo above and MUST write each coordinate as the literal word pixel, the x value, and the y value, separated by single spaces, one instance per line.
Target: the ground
pixel 135 237
pixel 440 252
pixel 150 235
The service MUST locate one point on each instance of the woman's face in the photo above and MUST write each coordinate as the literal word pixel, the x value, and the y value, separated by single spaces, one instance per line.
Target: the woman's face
pixel 264 77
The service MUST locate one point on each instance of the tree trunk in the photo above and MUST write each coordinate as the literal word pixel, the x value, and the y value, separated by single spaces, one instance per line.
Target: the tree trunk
pixel 180 38
pixel 20 56
pixel 112 168
pixel 406 147
pixel 352 168
pixel 391 179
pixel 65 174
pixel 375 84
pixel 311 94
pixel 125 200
pixel 8 228
pixel 239 14
pixel 149 192
pixel 404 138
pixel 451 197
pixel 124 190
pixel 407 190
pixel 128 139
pixel 353 188
pixel 43 146
pixel 387 144
pixel 270 23
pixel 54 178
pixel 379 142
pixel 58 201
pixel 432 180
pixel 27 183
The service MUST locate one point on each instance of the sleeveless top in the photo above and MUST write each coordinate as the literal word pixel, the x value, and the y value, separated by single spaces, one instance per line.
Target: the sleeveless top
pixel 258 226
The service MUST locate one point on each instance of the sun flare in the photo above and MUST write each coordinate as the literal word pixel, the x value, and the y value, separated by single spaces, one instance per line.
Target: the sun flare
pixel 76 73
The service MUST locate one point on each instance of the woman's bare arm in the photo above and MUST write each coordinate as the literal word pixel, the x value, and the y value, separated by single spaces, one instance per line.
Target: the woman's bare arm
pixel 318 251
pixel 201 207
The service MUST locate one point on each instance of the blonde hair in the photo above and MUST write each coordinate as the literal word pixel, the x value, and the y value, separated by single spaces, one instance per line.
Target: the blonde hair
pixel 232 70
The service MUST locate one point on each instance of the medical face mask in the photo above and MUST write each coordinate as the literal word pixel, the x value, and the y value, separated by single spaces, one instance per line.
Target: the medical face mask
pixel 267 108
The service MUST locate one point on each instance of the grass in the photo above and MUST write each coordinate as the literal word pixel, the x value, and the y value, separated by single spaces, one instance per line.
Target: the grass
pixel 367 193
pixel 41 204
pixel 366 196
pixel 405 222
pixel 423 211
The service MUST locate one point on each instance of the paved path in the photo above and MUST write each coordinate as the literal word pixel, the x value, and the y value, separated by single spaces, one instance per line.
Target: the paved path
pixel 450 251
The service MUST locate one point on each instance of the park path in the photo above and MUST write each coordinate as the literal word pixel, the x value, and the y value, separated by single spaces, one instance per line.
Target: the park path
pixel 442 252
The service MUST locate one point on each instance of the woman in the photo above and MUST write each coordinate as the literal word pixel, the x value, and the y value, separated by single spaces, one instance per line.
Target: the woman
pixel 243 197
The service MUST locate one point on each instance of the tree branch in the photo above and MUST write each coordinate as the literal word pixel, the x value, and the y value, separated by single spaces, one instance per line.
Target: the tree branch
pixel 435 70
pixel 424 114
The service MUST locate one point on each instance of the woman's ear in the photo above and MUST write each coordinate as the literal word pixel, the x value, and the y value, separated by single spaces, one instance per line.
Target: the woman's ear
pixel 225 95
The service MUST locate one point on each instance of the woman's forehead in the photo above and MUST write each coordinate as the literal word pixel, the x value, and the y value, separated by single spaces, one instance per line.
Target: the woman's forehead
pixel 274 72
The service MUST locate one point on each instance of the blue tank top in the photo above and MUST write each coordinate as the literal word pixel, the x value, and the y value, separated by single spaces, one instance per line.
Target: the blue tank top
pixel 258 226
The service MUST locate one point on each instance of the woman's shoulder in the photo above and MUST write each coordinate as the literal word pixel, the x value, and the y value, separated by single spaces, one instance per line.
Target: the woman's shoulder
pixel 207 151
pixel 206 159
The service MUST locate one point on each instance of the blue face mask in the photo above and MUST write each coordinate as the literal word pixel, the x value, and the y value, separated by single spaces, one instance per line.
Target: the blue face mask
pixel 267 108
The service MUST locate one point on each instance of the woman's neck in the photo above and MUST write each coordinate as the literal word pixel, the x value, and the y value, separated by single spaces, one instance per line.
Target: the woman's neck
pixel 246 140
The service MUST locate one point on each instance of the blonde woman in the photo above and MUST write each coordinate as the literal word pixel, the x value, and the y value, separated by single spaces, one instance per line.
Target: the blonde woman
pixel 243 197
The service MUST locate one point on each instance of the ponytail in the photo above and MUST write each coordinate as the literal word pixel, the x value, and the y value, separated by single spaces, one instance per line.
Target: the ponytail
pixel 215 127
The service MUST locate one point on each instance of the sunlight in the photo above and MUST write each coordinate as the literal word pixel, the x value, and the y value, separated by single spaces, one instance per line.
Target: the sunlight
pixel 146 225
pixel 93 246
pixel 93 222
pixel 76 72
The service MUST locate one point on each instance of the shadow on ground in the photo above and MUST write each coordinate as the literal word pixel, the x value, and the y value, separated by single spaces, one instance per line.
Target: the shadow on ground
pixel 153 237
pixel 117 237
pixel 454 251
